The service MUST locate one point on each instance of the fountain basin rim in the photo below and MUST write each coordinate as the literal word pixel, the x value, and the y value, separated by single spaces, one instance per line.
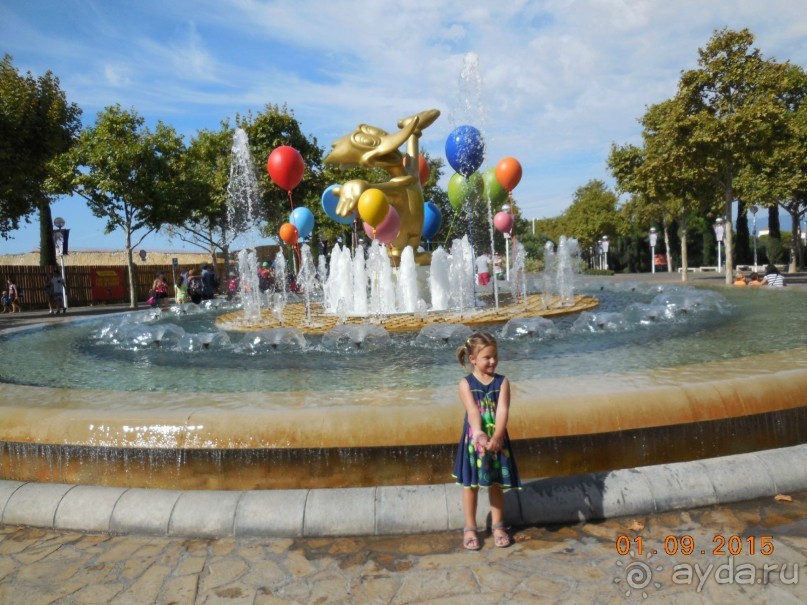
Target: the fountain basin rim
pixel 541 408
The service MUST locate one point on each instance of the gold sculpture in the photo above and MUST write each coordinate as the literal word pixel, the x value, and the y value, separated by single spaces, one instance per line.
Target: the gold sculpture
pixel 372 147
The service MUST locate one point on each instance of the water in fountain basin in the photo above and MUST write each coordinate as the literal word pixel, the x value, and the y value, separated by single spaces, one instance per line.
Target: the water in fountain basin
pixel 95 355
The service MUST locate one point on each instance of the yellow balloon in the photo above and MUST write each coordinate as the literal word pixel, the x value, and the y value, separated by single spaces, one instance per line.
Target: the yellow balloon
pixel 373 207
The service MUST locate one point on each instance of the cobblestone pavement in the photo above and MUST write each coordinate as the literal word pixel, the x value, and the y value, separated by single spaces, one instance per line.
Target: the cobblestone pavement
pixel 566 564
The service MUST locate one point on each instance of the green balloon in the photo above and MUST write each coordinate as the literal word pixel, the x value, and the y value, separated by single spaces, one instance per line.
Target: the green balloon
pixel 461 190
pixel 493 188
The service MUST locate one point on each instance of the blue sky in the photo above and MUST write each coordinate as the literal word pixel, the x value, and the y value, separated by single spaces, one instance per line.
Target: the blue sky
pixel 550 82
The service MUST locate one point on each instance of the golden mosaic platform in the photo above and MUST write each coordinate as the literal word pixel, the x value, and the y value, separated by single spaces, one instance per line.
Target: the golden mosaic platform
pixel 295 316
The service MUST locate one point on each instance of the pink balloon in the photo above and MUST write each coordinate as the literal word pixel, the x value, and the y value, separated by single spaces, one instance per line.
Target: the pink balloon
pixel 388 230
pixel 503 221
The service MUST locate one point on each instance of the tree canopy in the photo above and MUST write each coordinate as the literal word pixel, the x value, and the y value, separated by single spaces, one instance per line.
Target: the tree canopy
pixel 129 175
pixel 37 123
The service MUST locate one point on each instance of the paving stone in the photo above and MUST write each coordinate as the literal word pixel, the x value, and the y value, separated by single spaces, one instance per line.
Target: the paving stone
pixel 221 572
pixel 179 590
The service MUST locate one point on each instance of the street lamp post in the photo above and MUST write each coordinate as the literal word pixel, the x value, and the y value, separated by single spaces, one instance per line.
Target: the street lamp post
pixel 59 241
pixel 719 232
pixel 753 209
pixel 605 245
pixel 653 239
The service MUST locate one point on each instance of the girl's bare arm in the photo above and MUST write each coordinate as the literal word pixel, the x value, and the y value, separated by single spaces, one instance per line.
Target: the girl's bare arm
pixel 474 416
pixel 502 415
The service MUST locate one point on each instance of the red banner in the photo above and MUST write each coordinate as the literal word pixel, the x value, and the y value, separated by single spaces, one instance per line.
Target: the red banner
pixel 107 284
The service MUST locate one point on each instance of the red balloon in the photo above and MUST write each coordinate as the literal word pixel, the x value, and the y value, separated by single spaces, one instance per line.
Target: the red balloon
pixel 503 221
pixel 423 170
pixel 285 167
pixel 289 234
pixel 508 173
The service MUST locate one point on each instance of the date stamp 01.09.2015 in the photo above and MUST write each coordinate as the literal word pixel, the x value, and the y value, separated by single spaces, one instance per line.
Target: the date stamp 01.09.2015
pixel 640 574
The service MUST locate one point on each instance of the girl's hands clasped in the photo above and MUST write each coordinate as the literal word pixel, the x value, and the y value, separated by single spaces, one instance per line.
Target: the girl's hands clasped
pixel 494 444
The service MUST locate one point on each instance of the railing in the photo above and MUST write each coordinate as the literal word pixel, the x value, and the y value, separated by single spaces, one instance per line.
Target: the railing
pixel 31 280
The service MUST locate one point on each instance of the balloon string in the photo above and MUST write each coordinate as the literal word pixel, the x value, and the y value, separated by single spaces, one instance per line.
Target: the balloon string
pixel 291 203
pixel 451 226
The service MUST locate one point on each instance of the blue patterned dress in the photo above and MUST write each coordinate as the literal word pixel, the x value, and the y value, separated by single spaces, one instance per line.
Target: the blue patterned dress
pixel 477 467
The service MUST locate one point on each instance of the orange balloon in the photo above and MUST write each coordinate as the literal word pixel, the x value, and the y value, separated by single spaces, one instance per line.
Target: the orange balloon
pixel 289 234
pixel 508 173
pixel 423 170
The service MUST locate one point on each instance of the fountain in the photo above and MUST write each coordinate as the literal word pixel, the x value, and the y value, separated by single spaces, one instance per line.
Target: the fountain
pixel 358 386
pixel 652 375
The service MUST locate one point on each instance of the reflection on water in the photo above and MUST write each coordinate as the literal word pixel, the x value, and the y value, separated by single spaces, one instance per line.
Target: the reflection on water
pixel 634 328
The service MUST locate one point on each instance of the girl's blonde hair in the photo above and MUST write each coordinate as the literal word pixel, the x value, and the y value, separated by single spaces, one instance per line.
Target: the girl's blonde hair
pixel 477 340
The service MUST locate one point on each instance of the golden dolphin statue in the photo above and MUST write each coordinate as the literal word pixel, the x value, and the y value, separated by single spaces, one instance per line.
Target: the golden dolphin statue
pixel 372 147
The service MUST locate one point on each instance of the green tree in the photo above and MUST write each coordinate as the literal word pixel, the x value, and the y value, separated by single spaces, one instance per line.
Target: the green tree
pixel 273 127
pixel 732 113
pixel 206 175
pixel 129 175
pixel 592 214
pixel 36 125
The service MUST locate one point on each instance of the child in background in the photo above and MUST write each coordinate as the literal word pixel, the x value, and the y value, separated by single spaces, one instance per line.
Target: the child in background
pixel 6 302
pixel 181 289
pixel 484 457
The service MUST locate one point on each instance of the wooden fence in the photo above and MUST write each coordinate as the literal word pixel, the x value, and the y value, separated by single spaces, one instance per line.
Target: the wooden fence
pixel 79 280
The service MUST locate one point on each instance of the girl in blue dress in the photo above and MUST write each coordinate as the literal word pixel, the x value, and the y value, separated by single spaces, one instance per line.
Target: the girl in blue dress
pixel 484 456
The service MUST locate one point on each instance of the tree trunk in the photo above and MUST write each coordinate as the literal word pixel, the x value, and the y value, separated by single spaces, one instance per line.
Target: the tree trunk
pixel 795 242
pixel 729 234
pixel 666 229
pixel 742 245
pixel 131 265
pixel 225 251
pixel 684 257
pixel 47 251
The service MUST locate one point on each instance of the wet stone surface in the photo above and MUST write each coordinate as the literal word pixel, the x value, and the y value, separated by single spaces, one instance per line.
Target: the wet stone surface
pixel 685 556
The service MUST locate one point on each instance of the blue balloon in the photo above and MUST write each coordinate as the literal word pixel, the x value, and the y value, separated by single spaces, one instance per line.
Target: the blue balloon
pixel 303 219
pixel 465 150
pixel 329 202
pixel 432 219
